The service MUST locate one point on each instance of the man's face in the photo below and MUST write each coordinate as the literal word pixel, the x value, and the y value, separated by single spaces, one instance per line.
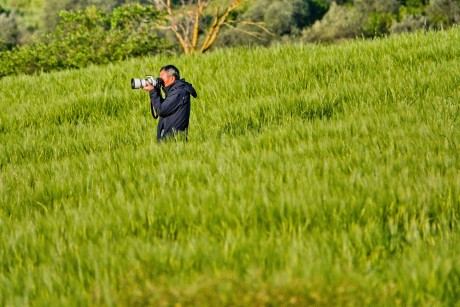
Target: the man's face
pixel 168 80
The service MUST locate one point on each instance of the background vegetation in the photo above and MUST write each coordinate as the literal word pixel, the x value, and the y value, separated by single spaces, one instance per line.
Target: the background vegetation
pixel 324 175
pixel 90 36
pixel 48 35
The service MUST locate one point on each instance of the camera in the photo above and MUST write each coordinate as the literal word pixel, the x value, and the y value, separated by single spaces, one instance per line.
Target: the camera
pixel 141 83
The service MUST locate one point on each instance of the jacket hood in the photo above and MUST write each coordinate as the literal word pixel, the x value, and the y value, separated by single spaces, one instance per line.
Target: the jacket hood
pixel 186 86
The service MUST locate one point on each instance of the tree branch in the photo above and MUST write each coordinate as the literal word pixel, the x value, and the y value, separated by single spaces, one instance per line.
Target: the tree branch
pixel 174 28
pixel 217 25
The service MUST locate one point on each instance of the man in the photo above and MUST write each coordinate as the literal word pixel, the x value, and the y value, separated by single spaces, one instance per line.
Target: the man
pixel 174 109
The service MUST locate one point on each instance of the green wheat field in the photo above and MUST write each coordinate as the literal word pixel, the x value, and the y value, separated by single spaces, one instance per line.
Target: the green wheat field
pixel 313 175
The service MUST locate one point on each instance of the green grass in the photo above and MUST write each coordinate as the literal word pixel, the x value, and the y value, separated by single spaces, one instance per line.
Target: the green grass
pixel 323 175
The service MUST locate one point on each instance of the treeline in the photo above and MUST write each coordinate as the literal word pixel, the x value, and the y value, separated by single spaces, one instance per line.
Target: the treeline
pixel 89 36
pixel 47 35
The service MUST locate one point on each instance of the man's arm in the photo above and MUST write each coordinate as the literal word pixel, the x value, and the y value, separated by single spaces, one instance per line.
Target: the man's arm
pixel 167 106
pixel 155 95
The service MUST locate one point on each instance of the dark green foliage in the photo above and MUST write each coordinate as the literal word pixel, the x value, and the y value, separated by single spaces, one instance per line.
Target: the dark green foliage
pixel 371 18
pixel 274 19
pixel 291 16
pixel 414 3
pixel 53 8
pixel 340 22
pixel 375 18
pixel 327 20
pixel 443 13
pixel 102 31
pixel 409 23
pixel 317 10
pixel 378 24
pixel 9 34
pixel 89 36
pixel 301 13
pixel 278 16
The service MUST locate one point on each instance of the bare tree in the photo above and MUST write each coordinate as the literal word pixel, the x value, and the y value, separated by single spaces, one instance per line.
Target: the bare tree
pixel 188 22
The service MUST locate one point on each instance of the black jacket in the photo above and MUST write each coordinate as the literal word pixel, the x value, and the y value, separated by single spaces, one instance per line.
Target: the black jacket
pixel 174 110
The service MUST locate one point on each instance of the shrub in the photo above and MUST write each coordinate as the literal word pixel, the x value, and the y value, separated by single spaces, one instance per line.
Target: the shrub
pixel 364 18
pixel 90 36
pixel 340 22
pixel 443 13
pixel 276 20
pixel 9 35
pixel 378 24
pixel 409 23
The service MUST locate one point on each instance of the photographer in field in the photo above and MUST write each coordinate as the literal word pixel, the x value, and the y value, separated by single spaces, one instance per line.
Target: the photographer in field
pixel 174 109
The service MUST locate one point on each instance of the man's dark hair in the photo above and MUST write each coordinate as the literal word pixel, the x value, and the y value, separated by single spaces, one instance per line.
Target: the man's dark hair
pixel 171 70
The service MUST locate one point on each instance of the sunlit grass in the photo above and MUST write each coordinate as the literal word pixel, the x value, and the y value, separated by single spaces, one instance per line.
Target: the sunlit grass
pixel 324 175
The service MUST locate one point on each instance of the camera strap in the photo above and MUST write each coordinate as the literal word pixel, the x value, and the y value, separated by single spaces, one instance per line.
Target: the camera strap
pixel 154 113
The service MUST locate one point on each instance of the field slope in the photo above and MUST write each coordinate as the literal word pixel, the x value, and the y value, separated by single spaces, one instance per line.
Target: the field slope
pixel 325 175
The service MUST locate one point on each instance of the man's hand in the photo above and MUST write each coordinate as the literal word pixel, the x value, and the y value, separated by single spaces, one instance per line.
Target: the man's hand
pixel 148 87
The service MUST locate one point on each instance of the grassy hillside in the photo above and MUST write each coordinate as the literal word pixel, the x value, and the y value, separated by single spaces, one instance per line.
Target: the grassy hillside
pixel 324 175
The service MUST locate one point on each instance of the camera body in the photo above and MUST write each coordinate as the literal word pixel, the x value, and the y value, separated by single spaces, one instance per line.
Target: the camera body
pixel 141 83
